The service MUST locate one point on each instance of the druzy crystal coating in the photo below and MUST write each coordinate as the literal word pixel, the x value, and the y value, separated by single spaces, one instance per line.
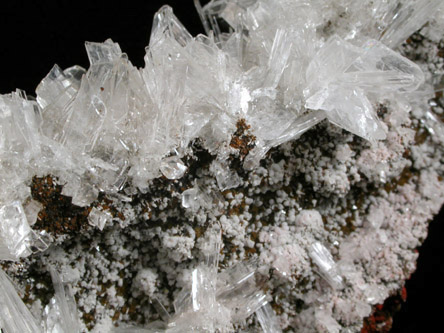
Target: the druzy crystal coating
pixel 282 67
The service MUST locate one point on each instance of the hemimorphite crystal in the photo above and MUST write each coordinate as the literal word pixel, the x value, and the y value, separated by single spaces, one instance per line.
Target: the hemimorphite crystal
pixel 404 18
pixel 14 315
pixel 282 66
pixel 341 76
pixel 32 209
pixel 323 259
pixel 61 313
pixel 99 218
pixel 97 128
pixel 225 178
pixel 190 199
pixel 267 319
pixel 17 239
pixel 215 301
pixel 59 86
pixel 172 167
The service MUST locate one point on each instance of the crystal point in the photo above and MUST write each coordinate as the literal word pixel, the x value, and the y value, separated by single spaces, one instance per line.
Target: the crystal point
pixel 166 23
pixel 341 84
pixel 106 52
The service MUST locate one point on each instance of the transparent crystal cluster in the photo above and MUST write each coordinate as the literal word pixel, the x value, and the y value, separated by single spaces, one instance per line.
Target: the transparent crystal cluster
pixel 60 316
pixel 61 313
pixel 215 301
pixel 282 66
pixel 278 66
pixel 14 315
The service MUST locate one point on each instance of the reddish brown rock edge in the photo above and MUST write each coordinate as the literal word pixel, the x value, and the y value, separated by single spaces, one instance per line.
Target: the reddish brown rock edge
pixel 381 319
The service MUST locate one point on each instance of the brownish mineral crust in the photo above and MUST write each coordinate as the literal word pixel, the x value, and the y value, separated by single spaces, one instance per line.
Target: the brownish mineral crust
pixel 58 216
pixel 242 139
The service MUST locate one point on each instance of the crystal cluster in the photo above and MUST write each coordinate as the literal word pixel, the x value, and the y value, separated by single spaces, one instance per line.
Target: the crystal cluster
pixel 96 129
pixel 59 316
pixel 215 301
pixel 282 67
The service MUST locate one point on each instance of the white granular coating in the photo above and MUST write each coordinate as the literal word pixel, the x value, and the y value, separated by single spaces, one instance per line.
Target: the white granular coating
pixel 366 203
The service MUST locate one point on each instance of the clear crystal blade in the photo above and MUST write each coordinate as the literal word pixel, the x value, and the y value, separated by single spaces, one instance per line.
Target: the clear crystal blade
pixel 333 59
pixel 267 319
pixel 160 308
pixel 67 316
pixel 323 259
pixel 280 52
pixel 295 129
pixel 14 315
pixel 165 23
pixel 380 69
pixel 15 232
pixel 406 18
pixel 32 209
pixel 202 16
pixel 106 52
pixel 351 110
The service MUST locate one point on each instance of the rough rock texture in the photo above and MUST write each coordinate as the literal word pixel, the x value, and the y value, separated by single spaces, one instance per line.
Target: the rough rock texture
pixel 333 219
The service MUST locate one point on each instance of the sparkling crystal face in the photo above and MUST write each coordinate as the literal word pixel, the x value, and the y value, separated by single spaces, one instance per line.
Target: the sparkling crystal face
pixel 172 167
pixel 275 173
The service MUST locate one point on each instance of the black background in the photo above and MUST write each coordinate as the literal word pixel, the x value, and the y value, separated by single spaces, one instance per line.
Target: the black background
pixel 36 35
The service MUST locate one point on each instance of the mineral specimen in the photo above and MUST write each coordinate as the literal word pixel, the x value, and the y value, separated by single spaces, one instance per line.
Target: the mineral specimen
pixel 276 173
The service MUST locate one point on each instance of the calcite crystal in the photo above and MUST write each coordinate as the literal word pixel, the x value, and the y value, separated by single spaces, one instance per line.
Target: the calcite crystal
pixel 276 173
